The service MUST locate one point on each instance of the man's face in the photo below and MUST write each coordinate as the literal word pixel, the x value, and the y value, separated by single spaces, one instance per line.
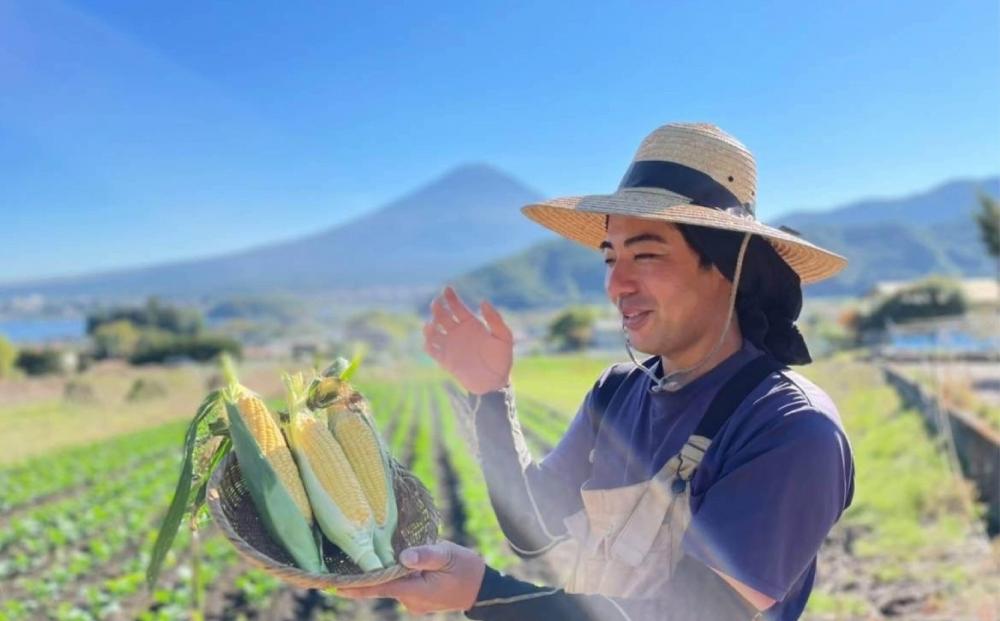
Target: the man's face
pixel 668 302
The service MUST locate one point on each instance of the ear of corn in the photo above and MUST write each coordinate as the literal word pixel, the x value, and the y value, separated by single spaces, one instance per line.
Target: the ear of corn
pixel 265 430
pixel 336 496
pixel 325 391
pixel 369 459
pixel 272 479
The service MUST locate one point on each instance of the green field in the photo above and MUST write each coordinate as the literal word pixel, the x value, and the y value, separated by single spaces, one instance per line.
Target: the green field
pixel 82 496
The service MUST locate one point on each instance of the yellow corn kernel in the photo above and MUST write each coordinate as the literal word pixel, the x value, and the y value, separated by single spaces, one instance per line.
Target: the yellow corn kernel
pixel 364 453
pixel 274 449
pixel 355 430
pixel 333 470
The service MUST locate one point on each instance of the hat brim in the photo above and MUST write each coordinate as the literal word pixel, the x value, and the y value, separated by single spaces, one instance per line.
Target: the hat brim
pixel 581 219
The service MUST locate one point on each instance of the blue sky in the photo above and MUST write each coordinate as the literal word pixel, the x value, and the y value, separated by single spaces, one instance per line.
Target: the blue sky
pixel 132 134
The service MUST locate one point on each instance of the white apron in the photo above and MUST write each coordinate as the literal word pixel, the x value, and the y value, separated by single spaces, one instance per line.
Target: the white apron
pixel 629 538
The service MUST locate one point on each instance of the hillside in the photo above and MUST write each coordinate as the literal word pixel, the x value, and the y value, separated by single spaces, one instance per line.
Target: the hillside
pixel 414 241
pixel 470 218
pixel 932 232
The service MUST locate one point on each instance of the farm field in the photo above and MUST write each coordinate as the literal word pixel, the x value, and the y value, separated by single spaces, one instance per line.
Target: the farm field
pixel 81 497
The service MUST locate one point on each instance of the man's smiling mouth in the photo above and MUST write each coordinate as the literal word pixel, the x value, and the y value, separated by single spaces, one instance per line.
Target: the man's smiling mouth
pixel 634 319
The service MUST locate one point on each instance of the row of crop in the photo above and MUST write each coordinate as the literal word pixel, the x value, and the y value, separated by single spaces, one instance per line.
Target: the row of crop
pixel 44 476
pixel 51 527
pixel 423 463
pixel 84 556
pixel 389 406
pixel 80 541
pixel 102 576
pixel 909 516
pixel 542 427
pixel 481 526
pixel 95 545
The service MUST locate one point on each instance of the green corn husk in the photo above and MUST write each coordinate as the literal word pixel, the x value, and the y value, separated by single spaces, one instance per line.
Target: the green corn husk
pixel 275 505
pixel 356 540
pixel 208 415
pixel 277 509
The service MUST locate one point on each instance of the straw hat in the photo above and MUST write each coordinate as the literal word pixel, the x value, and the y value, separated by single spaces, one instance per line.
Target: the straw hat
pixel 692 173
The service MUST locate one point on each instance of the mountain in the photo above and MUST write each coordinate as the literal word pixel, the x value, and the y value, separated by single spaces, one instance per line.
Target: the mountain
pixel 886 239
pixel 932 232
pixel 941 204
pixel 546 275
pixel 469 216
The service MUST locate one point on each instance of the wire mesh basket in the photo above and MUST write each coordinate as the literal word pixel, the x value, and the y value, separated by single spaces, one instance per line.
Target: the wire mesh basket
pixel 234 512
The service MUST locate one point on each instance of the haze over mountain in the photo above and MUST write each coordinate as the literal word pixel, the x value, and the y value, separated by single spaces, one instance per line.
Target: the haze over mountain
pixel 466 227
pixel 931 232
pixel 940 204
pixel 468 216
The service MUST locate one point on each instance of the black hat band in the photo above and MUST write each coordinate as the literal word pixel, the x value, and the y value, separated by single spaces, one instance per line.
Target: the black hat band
pixel 698 187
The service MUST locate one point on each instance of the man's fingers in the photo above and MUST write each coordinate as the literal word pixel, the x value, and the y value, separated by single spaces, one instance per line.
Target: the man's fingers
pixel 495 322
pixel 432 331
pixel 434 557
pixel 434 351
pixel 400 588
pixel 433 336
pixel 360 592
pixel 442 315
pixel 456 305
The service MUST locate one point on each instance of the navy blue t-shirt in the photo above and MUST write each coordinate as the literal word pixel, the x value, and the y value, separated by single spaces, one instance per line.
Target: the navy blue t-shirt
pixel 775 479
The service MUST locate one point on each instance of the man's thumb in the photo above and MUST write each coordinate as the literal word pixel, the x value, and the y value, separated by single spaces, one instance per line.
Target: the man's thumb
pixel 428 558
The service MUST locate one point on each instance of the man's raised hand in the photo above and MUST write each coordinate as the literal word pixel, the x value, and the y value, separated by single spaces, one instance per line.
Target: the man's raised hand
pixel 478 355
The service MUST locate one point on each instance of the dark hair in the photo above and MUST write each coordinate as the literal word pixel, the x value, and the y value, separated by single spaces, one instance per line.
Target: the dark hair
pixel 704 261
pixel 769 297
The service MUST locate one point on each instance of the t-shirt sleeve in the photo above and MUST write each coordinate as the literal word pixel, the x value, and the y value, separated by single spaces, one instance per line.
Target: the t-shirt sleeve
pixel 569 460
pixel 763 519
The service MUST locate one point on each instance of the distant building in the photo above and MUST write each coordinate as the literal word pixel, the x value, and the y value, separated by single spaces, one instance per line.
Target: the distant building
pixel 979 293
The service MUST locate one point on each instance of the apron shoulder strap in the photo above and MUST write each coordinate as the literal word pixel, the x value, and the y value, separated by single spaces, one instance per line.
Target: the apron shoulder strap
pixel 733 392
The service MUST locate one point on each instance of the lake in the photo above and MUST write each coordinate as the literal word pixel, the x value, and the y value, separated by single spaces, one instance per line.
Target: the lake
pixel 950 340
pixel 39 331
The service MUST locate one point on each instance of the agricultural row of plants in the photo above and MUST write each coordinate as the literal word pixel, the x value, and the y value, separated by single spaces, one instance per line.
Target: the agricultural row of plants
pixel 76 527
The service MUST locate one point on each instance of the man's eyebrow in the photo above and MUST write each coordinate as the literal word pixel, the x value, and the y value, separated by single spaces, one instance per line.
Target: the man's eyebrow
pixel 645 237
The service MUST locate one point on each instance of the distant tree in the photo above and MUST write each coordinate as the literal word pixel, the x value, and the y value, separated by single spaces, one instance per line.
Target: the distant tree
pixel 117 339
pixel 40 362
pixel 201 348
pixel 381 331
pixel 573 329
pixel 929 298
pixel 988 219
pixel 153 316
pixel 268 307
pixel 184 321
pixel 8 357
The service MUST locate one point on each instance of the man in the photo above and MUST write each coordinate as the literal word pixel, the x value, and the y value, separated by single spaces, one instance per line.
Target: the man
pixel 698 484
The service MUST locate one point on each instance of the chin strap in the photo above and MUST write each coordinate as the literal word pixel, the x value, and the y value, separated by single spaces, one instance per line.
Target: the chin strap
pixel 675 380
